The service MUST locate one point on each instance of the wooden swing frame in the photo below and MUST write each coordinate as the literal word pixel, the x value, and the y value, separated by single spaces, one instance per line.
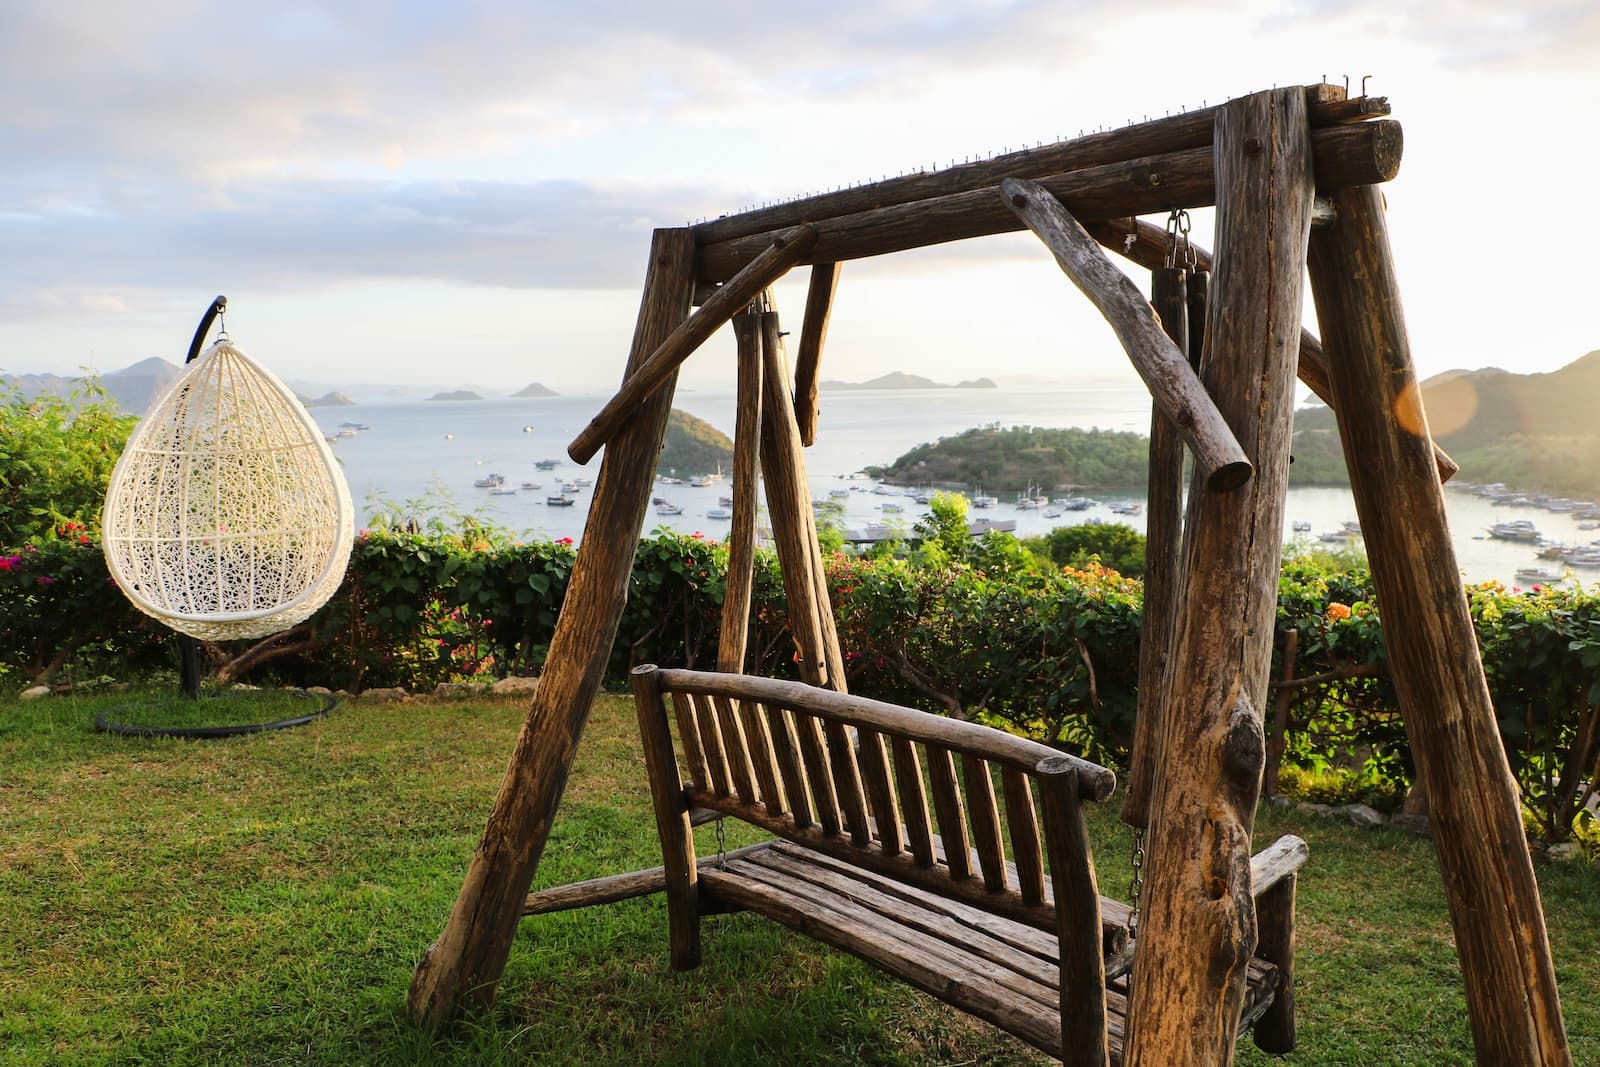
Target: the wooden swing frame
pixel 1294 176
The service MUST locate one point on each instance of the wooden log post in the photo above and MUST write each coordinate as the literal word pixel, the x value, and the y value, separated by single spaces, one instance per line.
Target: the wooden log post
pixel 1169 295
pixel 663 362
pixel 1197 928
pixel 732 642
pixel 789 508
pixel 788 432
pixel 1173 384
pixel 808 359
pixel 1433 654
pixel 470 954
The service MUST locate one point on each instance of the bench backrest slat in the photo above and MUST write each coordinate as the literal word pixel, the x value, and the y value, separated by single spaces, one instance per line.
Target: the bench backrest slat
pixel 1024 825
pixel 789 766
pixel 824 798
pixel 881 799
pixel 735 749
pixel 754 722
pixel 984 814
pixel 957 846
pixel 913 801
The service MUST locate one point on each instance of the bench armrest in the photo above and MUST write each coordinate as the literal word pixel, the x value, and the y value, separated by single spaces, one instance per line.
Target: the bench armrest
pixel 1276 862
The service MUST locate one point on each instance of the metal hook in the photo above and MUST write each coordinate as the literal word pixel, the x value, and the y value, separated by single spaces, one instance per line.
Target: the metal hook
pixel 1364 79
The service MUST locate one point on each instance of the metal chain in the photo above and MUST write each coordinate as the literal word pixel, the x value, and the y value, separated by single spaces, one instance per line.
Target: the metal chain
pixel 722 845
pixel 1178 231
pixel 1137 885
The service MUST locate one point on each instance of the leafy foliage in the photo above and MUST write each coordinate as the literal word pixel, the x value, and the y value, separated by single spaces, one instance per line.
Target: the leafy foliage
pixel 1116 545
pixel 1022 456
pixel 56 457
pixel 693 446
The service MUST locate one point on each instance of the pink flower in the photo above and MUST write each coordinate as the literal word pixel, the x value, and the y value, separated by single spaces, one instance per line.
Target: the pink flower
pixel 45 579
pixel 9 562
pixel 563 540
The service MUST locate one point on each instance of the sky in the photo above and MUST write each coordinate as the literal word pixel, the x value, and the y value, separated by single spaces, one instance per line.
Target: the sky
pixel 463 193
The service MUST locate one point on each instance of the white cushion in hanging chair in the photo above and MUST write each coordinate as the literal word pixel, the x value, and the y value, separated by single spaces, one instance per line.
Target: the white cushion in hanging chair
pixel 227 515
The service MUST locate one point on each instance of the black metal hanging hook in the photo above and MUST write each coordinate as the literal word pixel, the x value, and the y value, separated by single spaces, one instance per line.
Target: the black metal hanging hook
pixel 218 306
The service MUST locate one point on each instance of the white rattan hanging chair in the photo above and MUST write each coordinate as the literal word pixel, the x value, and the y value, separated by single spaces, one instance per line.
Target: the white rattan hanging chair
pixel 227 515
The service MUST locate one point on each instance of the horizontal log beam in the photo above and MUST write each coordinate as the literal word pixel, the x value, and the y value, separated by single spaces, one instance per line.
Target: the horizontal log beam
pixel 782 252
pixel 1344 156
pixel 1149 249
pixel 615 887
pixel 1327 106
pixel 1173 383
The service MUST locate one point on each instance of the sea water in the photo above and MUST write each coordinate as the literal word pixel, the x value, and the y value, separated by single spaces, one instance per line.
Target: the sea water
pixel 422 457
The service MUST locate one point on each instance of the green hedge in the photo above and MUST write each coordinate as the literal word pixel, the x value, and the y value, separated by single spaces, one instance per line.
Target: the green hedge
pixel 979 629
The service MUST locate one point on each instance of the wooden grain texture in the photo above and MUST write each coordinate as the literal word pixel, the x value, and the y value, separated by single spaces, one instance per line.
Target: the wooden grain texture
pixel 1148 248
pixel 1169 296
pixel 672 818
pixel 955 844
pixel 885 809
pixel 1275 1030
pixel 1345 155
pixel 469 956
pixel 1078 931
pixel 790 767
pixel 983 815
pixel 814 756
pixel 763 763
pixel 1022 822
pixel 613 887
pixel 789 508
pixel 1173 384
pixel 913 800
pixel 772 263
pixel 1326 106
pixel 1500 934
pixel 1198 914
pixel 734 638
pixel 705 719
pixel 808 357
pixel 786 434
pixel 735 748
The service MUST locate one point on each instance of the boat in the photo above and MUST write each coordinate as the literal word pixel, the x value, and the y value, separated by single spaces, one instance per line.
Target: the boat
pixel 583 483
pixel 345 433
pixel 449 437
pixel 492 481
pixel 1052 512
pixel 668 508
pixel 354 426
pixel 666 479
pixel 722 514
pixel 561 501
pixel 839 494
pixel 1301 526
pixel 503 490
pixel 1516 530
pixel 1127 507
pixel 891 509
pixel 1537 574
pixel 527 429
pixel 725 501
pixel 570 487
pixel 982 501
pixel 531 486
pixel 547 464
pixel 702 481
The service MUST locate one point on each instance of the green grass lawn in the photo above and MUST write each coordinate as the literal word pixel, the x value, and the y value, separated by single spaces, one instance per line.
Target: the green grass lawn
pixel 262 900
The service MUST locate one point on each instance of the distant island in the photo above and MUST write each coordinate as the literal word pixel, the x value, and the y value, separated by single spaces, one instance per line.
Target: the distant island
pixel 901 380
pixel 456 394
pixel 693 446
pixel 535 389
pixel 1019 457
pixel 334 399
pixel 1531 431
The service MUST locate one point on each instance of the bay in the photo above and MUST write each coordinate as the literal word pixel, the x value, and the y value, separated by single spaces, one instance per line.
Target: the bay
pixel 420 457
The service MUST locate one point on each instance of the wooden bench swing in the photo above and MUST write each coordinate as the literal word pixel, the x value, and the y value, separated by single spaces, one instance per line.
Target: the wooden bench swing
pixel 988 900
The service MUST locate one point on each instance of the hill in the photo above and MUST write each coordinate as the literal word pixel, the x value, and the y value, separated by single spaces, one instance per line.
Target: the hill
pixel 535 389
pixel 902 380
pixel 694 446
pixel 134 388
pixel 456 394
pixel 1005 460
pixel 1536 431
pixel 334 399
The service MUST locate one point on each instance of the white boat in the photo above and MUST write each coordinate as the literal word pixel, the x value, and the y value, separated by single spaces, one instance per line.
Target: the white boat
pixel 982 501
pixel 562 501
pixel 1128 507
pixel 532 486
pixel 701 482
pixel 839 494
pixel 668 509
pixel 354 426
pixel 345 433
pixel 1517 530
pixel 722 514
pixel 547 464
pixel 570 487
pixel 1302 526
pixel 1052 513
pixel 503 490
pixel 1537 574
pixel 669 480
pixel 492 481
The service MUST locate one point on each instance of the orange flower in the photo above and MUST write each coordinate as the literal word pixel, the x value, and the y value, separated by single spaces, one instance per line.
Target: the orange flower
pixel 1337 611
